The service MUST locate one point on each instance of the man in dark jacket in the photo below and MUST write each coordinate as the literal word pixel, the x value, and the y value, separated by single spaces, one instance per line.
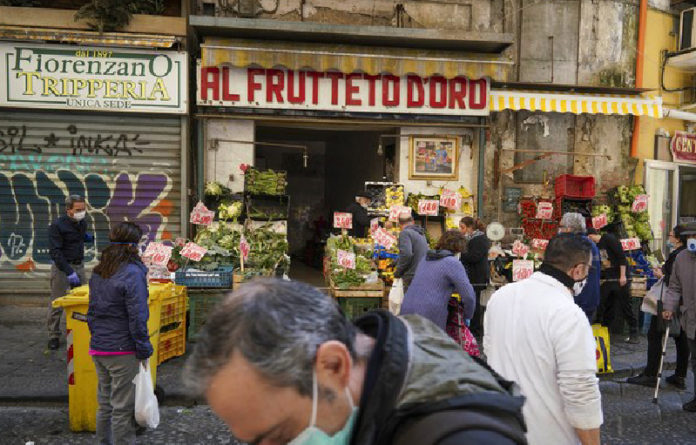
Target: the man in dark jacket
pixel 66 239
pixel 361 220
pixel 475 261
pixel 384 380
pixel 412 249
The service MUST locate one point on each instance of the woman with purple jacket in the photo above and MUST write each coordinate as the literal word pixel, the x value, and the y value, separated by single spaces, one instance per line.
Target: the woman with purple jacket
pixel 438 276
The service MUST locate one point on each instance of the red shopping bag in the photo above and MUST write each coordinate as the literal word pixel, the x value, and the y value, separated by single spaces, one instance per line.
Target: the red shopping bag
pixel 457 329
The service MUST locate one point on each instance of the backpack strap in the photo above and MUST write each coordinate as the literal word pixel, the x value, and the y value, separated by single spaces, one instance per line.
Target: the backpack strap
pixel 433 428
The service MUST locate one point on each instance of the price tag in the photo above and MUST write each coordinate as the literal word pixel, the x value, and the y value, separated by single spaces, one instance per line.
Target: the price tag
pixel 158 254
pixel 201 215
pixel 343 220
pixel 630 244
pixel 244 247
pixel 428 207
pixel 374 224
pixel 640 204
pixel 395 211
pixel 346 259
pixel 384 238
pixel 544 210
pixel 540 244
pixel 600 221
pixel 520 249
pixel 450 199
pixel 180 242
pixel 193 251
pixel 522 269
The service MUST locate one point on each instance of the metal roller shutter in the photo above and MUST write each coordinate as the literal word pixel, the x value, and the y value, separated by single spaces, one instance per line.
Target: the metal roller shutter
pixel 127 167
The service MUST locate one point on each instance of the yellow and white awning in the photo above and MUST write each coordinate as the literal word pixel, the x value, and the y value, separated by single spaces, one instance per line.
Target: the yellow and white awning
pixel 575 103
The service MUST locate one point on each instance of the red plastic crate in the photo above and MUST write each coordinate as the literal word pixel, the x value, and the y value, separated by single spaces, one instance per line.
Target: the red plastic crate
pixel 570 186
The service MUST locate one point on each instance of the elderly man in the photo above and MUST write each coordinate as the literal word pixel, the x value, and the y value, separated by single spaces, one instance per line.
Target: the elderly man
pixel 361 220
pixel 66 239
pixel 412 248
pixel 682 285
pixel 588 299
pixel 280 364
pixel 535 335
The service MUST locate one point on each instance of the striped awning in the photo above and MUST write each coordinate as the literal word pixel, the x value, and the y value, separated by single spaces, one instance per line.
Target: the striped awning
pixel 352 58
pixel 576 103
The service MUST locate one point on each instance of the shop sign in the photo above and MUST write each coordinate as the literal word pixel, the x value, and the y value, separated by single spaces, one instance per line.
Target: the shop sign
pixel 544 210
pixel 384 238
pixel 428 207
pixel 540 244
pixel 640 204
pixel 157 254
pixel 395 211
pixel 600 221
pixel 522 269
pixel 520 249
pixel 346 259
pixel 630 244
pixel 683 147
pixel 201 215
pixel 286 89
pixel 60 77
pixel 343 220
pixel 450 199
pixel 193 251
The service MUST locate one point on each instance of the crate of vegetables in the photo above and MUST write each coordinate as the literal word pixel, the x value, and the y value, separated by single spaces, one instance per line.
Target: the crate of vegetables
pixel 539 228
pixel 265 182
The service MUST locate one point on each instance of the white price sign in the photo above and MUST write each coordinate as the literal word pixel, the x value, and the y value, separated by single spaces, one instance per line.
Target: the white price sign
pixel 343 220
pixel 428 207
pixel 522 269
pixel 600 221
pixel 450 199
pixel 158 254
pixel 346 259
pixel 384 238
pixel 630 244
pixel 193 251
pixel 395 211
pixel 544 210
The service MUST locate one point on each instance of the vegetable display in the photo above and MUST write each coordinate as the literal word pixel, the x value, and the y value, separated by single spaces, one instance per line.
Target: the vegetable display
pixel 635 224
pixel 230 210
pixel 265 182
pixel 342 277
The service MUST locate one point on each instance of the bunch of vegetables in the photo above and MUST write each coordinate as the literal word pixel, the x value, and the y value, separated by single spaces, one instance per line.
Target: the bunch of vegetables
pixel 267 182
pixel 343 277
pixel 635 224
pixel 230 210
pixel 606 209
pixel 215 189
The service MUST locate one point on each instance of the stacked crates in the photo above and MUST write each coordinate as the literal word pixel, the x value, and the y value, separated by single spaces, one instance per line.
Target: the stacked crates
pixel 172 339
pixel 574 194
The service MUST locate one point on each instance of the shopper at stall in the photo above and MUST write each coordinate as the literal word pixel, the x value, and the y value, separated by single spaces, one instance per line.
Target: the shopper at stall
pixel 475 261
pixel 66 240
pixel 361 220
pixel 537 336
pixel 412 248
pixel 677 242
pixel 438 276
pixel 681 296
pixel 383 380
pixel 614 289
pixel 117 319
pixel 588 299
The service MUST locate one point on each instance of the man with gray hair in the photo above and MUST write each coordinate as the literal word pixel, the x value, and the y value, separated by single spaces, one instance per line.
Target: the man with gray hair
pixel 588 299
pixel 66 239
pixel 412 248
pixel 279 363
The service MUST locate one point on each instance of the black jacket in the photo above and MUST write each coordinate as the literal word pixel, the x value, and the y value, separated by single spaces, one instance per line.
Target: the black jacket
pixel 66 240
pixel 475 260
pixel 667 267
pixel 413 396
pixel 361 220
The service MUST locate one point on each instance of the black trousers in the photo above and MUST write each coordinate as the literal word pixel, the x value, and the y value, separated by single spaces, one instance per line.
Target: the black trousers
pixel 616 298
pixel 655 350
pixel 476 324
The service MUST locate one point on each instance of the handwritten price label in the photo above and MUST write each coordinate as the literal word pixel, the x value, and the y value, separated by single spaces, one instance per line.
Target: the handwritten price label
pixel 201 215
pixel 343 220
pixel 158 254
pixel 244 247
pixel 193 251
pixel 428 207
pixel 640 204
pixel 630 244
pixel 180 242
pixel 520 249
pixel 600 221
pixel 346 259
pixel 522 269
pixel 450 199
pixel 395 211
pixel 544 210
pixel 540 244
pixel 374 224
pixel 384 238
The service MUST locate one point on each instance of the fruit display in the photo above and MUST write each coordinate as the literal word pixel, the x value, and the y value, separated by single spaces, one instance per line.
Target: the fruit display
pixel 394 196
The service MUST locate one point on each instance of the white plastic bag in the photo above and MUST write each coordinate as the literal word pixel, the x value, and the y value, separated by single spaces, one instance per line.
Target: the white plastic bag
pixel 146 408
pixel 651 298
pixel 396 296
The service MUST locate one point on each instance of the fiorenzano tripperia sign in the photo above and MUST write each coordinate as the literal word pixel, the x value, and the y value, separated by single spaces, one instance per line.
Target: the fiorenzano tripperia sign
pixel 92 78
pixel 255 87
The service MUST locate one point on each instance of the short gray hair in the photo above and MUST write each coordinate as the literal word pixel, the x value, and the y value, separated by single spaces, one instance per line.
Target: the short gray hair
pixel 575 222
pixel 72 199
pixel 277 326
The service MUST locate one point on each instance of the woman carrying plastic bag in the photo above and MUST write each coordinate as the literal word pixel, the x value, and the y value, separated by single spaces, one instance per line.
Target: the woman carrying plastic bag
pixel 117 319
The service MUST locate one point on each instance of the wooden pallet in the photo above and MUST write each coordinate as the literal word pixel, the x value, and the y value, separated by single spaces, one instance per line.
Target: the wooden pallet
pixel 373 290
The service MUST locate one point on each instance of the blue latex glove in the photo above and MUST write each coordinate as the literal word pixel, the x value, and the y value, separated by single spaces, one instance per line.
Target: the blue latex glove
pixel 74 280
pixel 89 237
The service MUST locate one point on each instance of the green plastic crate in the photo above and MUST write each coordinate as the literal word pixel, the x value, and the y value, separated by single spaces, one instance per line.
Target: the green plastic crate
pixel 354 307
pixel 201 304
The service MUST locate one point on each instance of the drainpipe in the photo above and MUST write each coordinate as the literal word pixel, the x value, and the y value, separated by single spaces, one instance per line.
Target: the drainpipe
pixel 481 167
pixel 642 19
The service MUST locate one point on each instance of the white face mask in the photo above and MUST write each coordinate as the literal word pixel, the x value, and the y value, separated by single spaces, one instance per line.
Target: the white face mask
pixel 79 216
pixel 313 435
pixel 691 245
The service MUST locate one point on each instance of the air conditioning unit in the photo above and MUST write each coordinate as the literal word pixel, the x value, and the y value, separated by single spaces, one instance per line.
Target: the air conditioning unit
pixel 687 30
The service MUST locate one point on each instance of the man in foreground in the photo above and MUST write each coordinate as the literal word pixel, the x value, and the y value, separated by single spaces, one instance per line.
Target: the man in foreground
pixel 535 335
pixel 412 248
pixel 280 364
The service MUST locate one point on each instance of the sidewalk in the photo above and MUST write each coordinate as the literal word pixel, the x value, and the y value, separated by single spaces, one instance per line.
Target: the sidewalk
pixel 31 373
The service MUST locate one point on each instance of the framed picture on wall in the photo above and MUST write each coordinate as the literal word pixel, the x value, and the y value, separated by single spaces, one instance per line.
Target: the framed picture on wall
pixel 433 157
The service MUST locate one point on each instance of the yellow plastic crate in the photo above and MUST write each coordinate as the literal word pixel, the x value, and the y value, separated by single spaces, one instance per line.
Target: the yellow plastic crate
pixel 171 344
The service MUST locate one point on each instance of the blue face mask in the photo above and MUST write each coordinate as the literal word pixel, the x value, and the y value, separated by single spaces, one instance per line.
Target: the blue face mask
pixel 314 436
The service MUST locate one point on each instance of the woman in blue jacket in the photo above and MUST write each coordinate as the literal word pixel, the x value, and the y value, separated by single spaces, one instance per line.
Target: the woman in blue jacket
pixel 117 319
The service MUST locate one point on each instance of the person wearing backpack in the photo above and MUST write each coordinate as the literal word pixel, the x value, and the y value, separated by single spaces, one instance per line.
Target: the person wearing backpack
pixel 535 335
pixel 280 364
